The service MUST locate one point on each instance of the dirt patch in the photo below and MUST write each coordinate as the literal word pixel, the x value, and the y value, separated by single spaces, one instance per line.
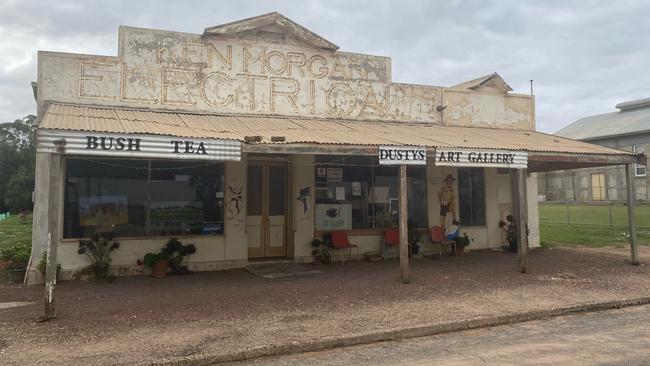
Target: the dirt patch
pixel 140 319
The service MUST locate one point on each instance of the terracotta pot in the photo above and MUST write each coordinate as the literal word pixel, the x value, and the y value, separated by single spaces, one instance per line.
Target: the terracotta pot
pixel 159 269
pixel 460 250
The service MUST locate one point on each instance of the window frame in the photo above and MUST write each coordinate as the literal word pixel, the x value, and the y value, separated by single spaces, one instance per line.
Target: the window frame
pixel 639 166
pixel 64 177
pixel 485 207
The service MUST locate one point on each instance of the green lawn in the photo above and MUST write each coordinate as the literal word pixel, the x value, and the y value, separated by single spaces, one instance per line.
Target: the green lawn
pixel 13 231
pixel 599 233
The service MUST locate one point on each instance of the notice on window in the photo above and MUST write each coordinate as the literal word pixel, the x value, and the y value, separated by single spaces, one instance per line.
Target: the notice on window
pixel 333 217
pixel 356 188
pixel 335 174
pixel 340 193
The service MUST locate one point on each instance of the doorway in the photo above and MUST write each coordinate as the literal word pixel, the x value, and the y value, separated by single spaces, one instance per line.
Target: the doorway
pixel 266 220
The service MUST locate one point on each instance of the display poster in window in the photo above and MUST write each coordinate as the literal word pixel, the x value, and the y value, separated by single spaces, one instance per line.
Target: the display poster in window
pixel 334 217
pixel 334 174
pixel 321 172
pixel 103 210
pixel 340 193
pixel 356 188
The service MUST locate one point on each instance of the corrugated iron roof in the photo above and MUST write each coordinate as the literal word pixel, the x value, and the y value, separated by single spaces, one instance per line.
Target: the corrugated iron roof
pixel 304 130
pixel 634 117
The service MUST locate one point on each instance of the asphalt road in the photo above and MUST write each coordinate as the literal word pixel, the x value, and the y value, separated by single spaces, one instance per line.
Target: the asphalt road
pixel 615 337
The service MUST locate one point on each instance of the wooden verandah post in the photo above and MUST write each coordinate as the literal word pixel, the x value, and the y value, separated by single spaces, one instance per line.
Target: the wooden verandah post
pixel 521 218
pixel 403 226
pixel 634 255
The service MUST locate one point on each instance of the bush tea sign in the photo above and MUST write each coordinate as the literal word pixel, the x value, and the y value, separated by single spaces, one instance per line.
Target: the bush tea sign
pixel 402 155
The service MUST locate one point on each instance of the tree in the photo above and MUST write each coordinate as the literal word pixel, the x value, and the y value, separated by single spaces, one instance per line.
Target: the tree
pixel 17 155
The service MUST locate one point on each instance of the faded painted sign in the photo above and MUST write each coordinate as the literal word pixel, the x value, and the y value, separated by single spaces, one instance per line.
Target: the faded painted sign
pixel 169 70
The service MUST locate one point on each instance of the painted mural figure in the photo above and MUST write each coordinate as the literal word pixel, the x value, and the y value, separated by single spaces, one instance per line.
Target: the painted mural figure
pixel 447 199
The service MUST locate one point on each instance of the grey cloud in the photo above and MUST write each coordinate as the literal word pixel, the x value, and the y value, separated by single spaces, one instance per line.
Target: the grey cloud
pixel 585 56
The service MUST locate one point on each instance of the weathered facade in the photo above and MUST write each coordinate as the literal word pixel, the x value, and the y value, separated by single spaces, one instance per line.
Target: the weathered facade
pixel 629 130
pixel 254 137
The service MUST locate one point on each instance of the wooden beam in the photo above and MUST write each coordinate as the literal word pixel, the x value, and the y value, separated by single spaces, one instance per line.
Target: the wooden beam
pixel 310 149
pixel 522 222
pixel 403 226
pixel 558 157
pixel 631 217
pixel 54 211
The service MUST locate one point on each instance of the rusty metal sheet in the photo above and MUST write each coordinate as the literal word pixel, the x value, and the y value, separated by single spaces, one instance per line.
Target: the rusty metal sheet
pixel 304 130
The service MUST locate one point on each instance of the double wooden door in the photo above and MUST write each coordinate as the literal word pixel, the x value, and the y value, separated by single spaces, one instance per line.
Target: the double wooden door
pixel 266 220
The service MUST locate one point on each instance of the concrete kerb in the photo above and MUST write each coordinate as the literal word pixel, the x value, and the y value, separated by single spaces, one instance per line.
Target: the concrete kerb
pixel 398 333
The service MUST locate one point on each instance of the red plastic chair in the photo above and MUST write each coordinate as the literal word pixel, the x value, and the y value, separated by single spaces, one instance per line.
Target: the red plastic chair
pixel 341 243
pixel 391 238
pixel 438 237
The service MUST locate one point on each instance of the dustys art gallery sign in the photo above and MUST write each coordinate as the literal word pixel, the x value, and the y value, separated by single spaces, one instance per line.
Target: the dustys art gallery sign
pixel 402 155
pixel 138 146
pixel 481 158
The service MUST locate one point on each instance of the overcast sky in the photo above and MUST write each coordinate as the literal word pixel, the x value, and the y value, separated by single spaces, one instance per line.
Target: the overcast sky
pixel 584 56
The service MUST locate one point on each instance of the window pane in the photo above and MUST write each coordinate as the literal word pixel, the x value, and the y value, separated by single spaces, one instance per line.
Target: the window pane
pixel 105 195
pixel 254 199
pixel 343 192
pixel 277 190
pixel 471 187
pixel 186 198
pixel 417 196
pixel 385 197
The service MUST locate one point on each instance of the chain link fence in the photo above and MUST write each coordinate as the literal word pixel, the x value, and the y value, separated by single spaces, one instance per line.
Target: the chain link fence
pixel 592 213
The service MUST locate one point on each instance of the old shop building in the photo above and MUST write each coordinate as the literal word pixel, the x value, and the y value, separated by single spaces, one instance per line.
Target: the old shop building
pixel 253 137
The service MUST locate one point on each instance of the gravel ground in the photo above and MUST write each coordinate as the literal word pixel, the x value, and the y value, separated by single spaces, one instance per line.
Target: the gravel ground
pixel 140 319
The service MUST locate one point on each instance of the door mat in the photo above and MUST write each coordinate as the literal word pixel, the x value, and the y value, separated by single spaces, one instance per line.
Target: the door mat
pixel 271 271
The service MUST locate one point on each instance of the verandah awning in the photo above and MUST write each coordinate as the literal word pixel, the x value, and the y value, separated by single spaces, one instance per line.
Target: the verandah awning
pixel 296 135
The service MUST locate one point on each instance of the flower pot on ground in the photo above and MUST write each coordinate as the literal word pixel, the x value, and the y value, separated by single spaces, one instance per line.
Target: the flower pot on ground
pixel 461 242
pixel 17 256
pixel 159 269
pixel 158 262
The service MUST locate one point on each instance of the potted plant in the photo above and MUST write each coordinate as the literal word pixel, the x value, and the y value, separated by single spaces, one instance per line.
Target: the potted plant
pixel 98 249
pixel 461 242
pixel 321 253
pixel 17 256
pixel 179 255
pixel 511 233
pixel 158 263
pixel 174 254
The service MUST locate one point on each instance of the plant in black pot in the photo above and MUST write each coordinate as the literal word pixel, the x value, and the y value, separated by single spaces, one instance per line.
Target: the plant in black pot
pixel 98 249
pixel 414 238
pixel 511 233
pixel 17 256
pixel 320 252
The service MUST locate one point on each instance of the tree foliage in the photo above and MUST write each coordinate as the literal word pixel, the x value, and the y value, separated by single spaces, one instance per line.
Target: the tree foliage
pixel 17 155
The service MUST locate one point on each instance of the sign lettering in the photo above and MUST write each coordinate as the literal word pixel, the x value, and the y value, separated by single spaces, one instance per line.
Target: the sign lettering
pixel 481 158
pixel 402 155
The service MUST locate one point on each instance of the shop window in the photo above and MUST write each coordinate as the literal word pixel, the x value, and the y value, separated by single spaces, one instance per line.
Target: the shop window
pixel 357 193
pixel 136 198
pixel 640 170
pixel 471 193
pixel 598 187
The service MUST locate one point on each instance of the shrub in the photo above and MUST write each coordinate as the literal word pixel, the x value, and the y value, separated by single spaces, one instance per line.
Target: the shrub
pixel 17 255
pixel 98 249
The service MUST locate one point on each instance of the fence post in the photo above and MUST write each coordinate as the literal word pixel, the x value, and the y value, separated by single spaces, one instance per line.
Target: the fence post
pixel 609 205
pixel 568 217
